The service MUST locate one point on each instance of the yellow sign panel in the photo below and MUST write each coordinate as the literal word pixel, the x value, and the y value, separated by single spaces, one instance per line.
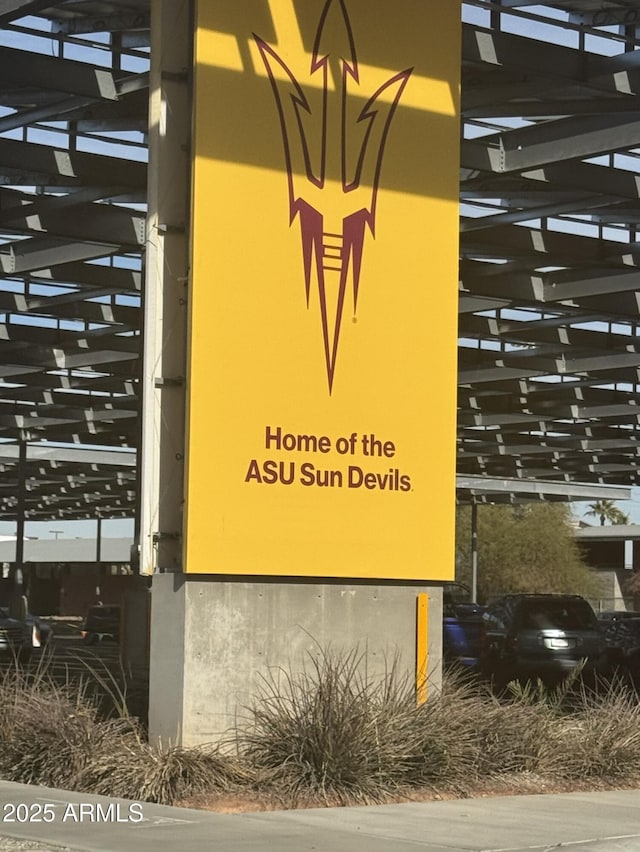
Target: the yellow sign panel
pixel 322 378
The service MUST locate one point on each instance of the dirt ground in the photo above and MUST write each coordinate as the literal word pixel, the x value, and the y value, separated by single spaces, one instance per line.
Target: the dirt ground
pixel 518 785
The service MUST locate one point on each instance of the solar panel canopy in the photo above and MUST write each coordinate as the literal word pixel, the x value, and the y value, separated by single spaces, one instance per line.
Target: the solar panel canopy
pixel 548 372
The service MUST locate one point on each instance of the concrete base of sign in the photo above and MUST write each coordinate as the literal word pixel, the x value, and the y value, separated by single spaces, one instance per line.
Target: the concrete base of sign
pixel 213 640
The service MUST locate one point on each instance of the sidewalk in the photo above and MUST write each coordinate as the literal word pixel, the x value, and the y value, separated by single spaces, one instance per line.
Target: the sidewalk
pixel 580 822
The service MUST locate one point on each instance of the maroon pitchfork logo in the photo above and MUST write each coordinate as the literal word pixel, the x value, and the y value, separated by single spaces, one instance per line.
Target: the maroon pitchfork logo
pixel 324 137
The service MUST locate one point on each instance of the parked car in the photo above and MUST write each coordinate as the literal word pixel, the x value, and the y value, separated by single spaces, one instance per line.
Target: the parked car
pixel 617 614
pixel 41 631
pixel 16 636
pixel 622 640
pixel 43 628
pixel 539 636
pixel 102 623
pixel 461 635
pixel 454 594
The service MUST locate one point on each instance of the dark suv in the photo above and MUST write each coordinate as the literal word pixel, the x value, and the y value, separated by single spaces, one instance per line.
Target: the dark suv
pixel 539 636
pixel 622 639
pixel 102 624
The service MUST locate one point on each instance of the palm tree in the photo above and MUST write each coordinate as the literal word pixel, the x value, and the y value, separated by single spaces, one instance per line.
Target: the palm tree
pixel 607 510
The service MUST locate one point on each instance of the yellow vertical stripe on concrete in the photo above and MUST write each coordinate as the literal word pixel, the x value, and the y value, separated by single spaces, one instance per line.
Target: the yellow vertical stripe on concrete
pixel 422 646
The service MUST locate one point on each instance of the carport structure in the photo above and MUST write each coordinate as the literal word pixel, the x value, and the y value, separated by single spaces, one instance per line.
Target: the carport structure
pixel 550 181
pixel 548 355
pixel 73 122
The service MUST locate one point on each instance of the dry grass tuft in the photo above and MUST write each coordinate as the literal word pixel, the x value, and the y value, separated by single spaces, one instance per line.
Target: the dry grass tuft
pixel 54 735
pixel 49 731
pixel 136 770
pixel 331 735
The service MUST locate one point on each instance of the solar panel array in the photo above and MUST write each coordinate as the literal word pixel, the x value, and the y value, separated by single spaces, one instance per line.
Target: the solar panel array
pixel 550 181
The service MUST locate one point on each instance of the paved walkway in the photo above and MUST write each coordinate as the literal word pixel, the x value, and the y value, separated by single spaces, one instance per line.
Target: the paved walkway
pixel 42 820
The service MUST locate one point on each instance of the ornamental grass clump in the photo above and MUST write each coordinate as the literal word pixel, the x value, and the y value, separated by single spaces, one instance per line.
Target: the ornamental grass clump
pixel 573 732
pixel 55 735
pixel 328 734
pixel 49 731
pixel 164 775
pixel 599 737
pixel 486 737
pixel 333 734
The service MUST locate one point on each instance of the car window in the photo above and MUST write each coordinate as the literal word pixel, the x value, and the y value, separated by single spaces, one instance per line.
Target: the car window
pixel 106 611
pixel 556 615
pixel 628 627
pixel 494 617
pixel 98 616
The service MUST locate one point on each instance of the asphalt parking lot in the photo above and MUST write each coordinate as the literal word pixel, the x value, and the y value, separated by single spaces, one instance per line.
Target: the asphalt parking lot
pixel 68 659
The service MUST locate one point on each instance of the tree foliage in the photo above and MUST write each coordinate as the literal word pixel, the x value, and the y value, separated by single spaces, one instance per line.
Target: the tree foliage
pixel 529 548
pixel 606 510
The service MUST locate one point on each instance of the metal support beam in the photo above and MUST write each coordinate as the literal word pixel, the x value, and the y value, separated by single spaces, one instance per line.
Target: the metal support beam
pixel 477 485
pixel 42 252
pixel 18 568
pixel 10 10
pixel 62 218
pixel 98 543
pixel 87 275
pixel 167 265
pixel 71 167
pixel 129 21
pixel 58 75
pixel 474 551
